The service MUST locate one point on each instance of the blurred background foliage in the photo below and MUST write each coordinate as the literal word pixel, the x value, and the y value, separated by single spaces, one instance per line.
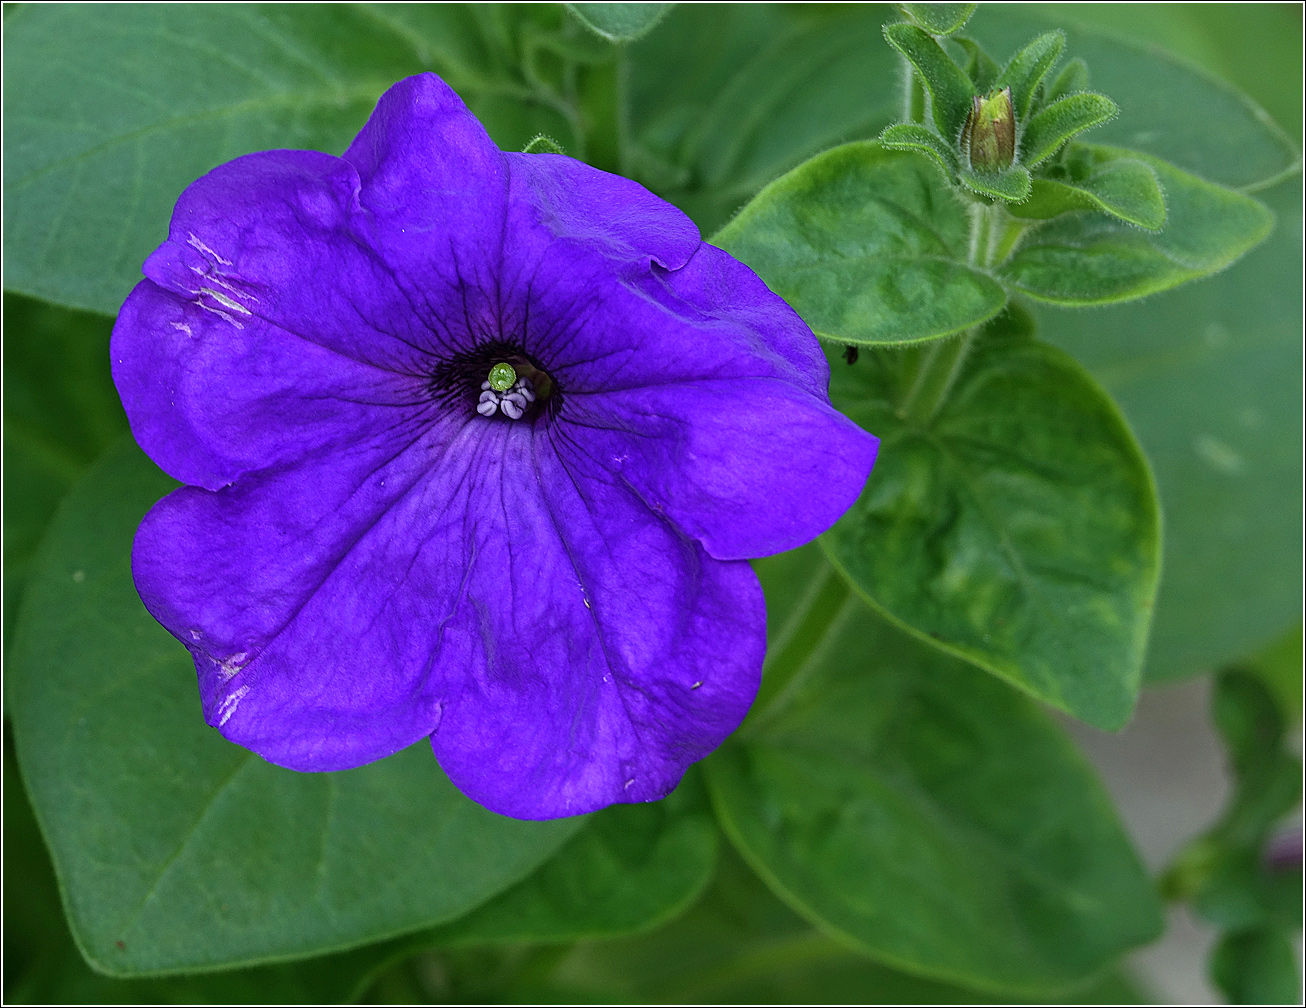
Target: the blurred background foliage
pixel 721 101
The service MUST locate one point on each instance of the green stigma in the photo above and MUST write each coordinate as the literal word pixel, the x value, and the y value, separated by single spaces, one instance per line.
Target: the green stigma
pixel 502 377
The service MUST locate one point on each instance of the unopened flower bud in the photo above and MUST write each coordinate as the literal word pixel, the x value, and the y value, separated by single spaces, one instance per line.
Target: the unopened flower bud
pixel 989 136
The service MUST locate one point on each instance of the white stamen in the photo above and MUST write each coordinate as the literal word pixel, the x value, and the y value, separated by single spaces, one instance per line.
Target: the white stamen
pixel 511 403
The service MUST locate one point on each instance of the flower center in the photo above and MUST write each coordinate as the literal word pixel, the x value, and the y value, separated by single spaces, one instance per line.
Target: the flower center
pixel 496 379
pixel 503 392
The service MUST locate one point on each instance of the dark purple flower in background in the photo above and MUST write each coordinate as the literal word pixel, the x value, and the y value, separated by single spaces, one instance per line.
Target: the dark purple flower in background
pixel 477 445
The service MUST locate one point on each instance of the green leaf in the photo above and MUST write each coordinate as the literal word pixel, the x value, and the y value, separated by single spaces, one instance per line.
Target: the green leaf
pixel 1072 79
pixel 1122 186
pixel 911 137
pixel 939 18
pixel 1279 666
pixel 1058 122
pixel 1209 376
pixel 930 816
pixel 177 850
pixel 60 413
pixel 543 144
pixel 868 245
pixel 1169 107
pixel 1077 260
pixel 726 97
pixel 43 966
pixel 1012 522
pixel 629 868
pixel 1011 184
pixel 112 112
pixel 977 64
pixel 740 944
pixel 1258 966
pixel 620 22
pixel 1027 68
pixel 949 88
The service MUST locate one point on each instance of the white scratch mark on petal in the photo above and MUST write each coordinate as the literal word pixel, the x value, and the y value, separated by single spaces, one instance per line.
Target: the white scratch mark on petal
pixel 193 241
pixel 229 705
pixel 222 299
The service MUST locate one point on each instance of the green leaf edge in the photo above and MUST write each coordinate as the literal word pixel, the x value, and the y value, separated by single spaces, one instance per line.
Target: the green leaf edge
pixel 733 832
pixel 1195 68
pixel 1097 109
pixel 964 15
pixel 652 924
pixel 616 39
pixel 1135 449
pixel 914 137
pixel 747 209
pixel 1267 217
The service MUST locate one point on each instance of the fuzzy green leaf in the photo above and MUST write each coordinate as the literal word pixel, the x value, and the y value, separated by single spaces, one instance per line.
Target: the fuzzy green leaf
pixel 160 829
pixel 1011 184
pixel 949 88
pixel 1013 522
pixel 976 63
pixel 1169 107
pixel 1026 70
pixel 939 18
pixel 909 136
pixel 1060 121
pixel 1076 260
pixel 1122 186
pixel 542 143
pixel 897 777
pixel 868 245
pixel 1072 79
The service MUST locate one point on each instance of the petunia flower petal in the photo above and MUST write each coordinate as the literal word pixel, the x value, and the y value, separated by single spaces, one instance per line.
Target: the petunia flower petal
pixel 568 647
pixel 614 650
pixel 209 400
pixel 749 467
pixel 601 212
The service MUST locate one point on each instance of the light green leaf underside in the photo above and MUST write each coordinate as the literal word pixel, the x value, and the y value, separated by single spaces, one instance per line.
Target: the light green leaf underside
pixel 1083 259
pixel 899 777
pixel 159 828
pixel 620 22
pixel 867 245
pixel 1016 527
pixel 1209 376
pixel 112 111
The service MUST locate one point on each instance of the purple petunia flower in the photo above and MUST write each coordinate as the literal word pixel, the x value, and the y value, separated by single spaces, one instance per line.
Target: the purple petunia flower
pixel 477 445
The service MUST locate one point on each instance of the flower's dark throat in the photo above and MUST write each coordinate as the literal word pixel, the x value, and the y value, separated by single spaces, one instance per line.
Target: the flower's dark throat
pixel 497 381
